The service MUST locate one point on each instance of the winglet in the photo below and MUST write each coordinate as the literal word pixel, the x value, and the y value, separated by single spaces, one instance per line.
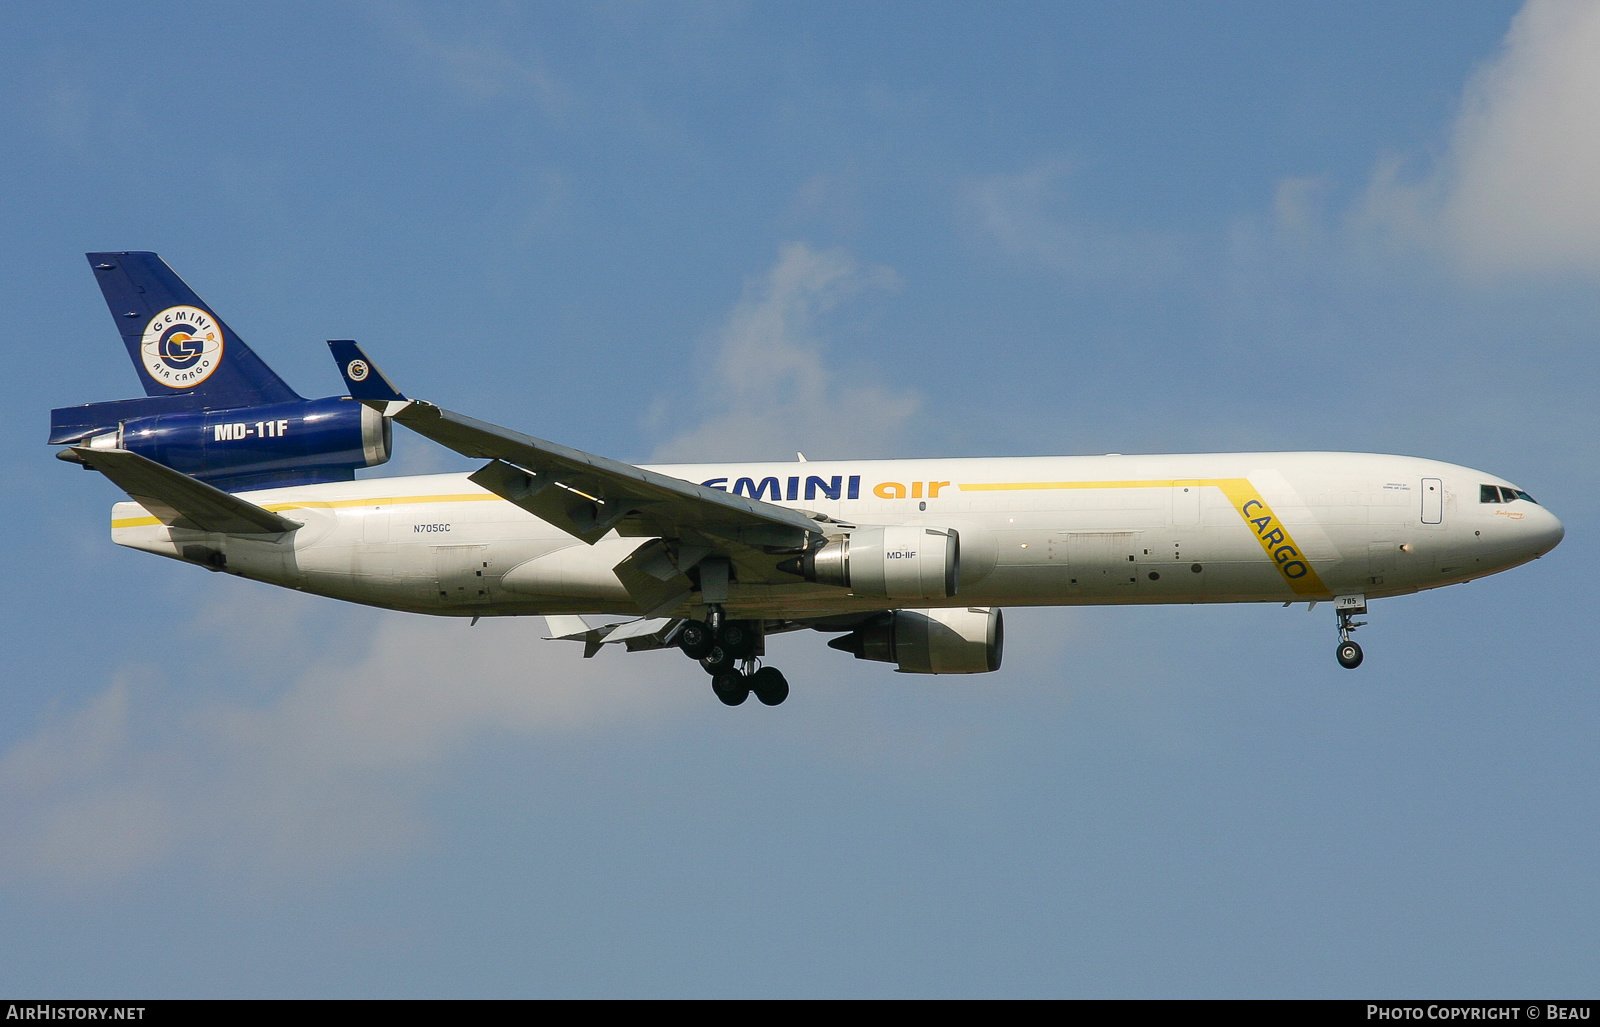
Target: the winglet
pixel 361 376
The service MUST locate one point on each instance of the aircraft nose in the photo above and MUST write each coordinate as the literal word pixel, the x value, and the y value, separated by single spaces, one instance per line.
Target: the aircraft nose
pixel 1544 532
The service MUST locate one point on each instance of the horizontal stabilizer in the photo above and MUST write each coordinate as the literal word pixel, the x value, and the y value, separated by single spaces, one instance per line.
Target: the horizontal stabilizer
pixel 175 498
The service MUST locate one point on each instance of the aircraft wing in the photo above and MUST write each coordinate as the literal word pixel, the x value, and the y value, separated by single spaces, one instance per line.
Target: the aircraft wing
pixel 581 493
pixel 175 498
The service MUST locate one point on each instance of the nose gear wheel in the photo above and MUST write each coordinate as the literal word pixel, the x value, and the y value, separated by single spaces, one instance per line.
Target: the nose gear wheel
pixel 1349 653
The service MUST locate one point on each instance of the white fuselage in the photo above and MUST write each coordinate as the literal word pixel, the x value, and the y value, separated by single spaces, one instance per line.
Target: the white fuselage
pixel 1034 531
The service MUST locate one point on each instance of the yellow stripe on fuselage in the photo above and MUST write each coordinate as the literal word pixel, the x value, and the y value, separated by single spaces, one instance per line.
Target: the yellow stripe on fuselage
pixel 1026 486
pixel 1271 532
pixel 332 504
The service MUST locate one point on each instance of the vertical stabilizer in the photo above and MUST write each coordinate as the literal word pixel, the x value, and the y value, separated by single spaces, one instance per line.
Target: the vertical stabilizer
pixel 178 344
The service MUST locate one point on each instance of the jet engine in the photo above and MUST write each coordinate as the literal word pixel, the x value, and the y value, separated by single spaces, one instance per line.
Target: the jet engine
pixel 905 562
pixel 959 641
pixel 316 440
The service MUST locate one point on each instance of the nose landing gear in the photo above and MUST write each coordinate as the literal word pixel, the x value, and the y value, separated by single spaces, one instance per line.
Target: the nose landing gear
pixel 1347 607
pixel 727 651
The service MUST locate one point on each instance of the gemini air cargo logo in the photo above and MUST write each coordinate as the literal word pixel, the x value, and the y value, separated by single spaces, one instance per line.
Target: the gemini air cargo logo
pixel 182 346
pixel 357 370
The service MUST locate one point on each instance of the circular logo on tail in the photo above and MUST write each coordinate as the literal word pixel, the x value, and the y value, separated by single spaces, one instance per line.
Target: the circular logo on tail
pixel 182 346
pixel 357 370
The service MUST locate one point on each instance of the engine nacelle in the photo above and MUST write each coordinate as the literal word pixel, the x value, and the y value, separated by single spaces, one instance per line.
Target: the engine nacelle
pixel 960 641
pixel 905 562
pixel 323 438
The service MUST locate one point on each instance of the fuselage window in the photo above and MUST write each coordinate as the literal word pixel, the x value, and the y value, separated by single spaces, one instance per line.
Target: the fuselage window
pixel 1488 493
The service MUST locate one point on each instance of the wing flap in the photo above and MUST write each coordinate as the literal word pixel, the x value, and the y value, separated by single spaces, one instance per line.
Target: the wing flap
pixel 543 495
pixel 653 579
pixel 638 635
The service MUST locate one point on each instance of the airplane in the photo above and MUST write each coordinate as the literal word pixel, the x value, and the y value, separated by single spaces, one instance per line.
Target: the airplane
pixel 907 562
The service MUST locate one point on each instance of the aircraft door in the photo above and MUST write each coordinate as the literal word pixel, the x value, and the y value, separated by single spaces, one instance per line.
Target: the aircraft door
pixel 1185 505
pixel 1380 561
pixel 1432 501
pixel 374 554
pixel 375 526
pixel 460 574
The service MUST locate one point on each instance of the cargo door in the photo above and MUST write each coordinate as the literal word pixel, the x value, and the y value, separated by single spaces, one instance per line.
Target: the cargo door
pixel 1102 559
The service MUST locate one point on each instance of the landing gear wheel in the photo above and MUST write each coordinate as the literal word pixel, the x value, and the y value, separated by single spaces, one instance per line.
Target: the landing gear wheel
pixel 737 638
pixel 731 687
pixel 717 660
pixel 1348 608
pixel 696 640
pixel 769 685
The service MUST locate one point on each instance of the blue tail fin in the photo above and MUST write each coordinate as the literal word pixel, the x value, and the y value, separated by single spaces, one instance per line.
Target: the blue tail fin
pixel 178 344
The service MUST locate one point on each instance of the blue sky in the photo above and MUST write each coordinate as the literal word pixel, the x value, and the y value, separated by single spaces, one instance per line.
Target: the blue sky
pixel 727 230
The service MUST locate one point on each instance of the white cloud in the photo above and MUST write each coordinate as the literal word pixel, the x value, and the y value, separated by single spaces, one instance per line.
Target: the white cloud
pixel 1017 210
pixel 1525 191
pixel 63 817
pixel 1298 207
pixel 1517 192
pixel 1028 214
pixel 326 773
pixel 479 65
pixel 770 389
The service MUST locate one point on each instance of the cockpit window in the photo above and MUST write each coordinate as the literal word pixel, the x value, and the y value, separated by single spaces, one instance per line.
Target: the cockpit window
pixel 1502 494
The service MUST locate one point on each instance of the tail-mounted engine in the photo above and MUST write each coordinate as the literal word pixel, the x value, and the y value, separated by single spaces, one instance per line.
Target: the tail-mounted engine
pixel 960 641
pixel 907 562
pixel 261 446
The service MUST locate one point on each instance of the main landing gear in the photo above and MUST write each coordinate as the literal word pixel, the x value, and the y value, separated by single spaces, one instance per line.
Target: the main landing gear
pixel 767 684
pixel 726 649
pixel 1347 607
